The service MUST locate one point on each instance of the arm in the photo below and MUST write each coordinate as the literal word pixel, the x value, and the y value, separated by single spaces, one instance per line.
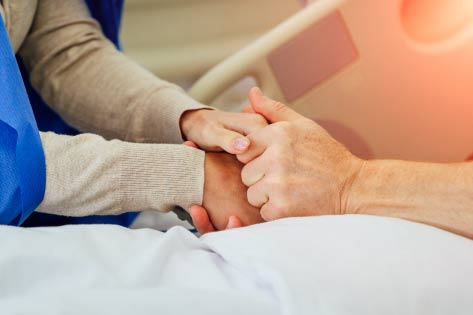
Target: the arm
pixel 97 89
pixel 87 175
pixel 295 168
pixel 435 194
pixel 93 86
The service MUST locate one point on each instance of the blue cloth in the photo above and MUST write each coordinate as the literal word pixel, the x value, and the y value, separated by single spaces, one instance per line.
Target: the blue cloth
pixel 22 163
pixel 108 13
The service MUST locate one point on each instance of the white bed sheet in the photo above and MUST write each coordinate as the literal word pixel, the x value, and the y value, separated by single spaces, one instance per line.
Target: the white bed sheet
pixel 322 265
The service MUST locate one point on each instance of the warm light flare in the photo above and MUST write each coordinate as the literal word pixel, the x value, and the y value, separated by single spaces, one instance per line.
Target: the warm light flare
pixel 435 20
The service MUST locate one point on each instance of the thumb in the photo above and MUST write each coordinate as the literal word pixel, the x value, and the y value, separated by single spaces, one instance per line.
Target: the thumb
pixel 234 222
pixel 271 110
pixel 249 110
pixel 232 142
pixel 191 144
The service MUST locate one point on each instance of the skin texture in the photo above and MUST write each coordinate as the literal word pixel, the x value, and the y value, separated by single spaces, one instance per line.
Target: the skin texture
pixel 224 193
pixel 293 166
pixel 215 130
pixel 315 175
pixel 439 195
pixel 220 167
pixel 202 221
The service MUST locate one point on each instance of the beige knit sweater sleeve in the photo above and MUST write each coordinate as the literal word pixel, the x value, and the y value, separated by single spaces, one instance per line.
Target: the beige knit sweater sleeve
pixel 97 89
pixel 94 87
pixel 87 175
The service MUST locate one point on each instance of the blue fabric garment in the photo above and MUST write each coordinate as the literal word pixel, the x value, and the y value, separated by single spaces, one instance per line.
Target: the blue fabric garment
pixel 22 163
pixel 108 13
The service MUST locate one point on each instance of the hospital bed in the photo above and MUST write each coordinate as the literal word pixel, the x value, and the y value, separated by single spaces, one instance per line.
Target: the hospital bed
pixel 389 79
pixel 317 265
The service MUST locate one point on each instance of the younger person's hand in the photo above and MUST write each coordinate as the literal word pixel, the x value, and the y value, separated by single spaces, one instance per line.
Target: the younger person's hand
pixel 215 130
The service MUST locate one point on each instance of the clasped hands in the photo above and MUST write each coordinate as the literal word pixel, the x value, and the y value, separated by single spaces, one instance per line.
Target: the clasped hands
pixel 282 164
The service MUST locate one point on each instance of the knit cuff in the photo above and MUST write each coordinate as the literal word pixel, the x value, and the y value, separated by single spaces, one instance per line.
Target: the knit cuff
pixel 173 103
pixel 159 177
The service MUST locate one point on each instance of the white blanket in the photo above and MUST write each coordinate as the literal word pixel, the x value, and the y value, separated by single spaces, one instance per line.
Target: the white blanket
pixel 324 265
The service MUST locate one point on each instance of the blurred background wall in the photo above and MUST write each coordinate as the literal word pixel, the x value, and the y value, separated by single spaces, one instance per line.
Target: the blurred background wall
pixel 179 40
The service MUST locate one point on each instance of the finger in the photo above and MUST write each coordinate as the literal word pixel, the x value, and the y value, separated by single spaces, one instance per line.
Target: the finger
pixel 272 110
pixel 191 144
pixel 201 220
pixel 234 222
pixel 259 143
pixel 230 141
pixel 244 123
pixel 249 110
pixel 270 213
pixel 254 171
pixel 258 195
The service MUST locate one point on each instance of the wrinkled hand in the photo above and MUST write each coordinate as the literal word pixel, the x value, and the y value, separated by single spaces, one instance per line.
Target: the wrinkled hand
pixel 215 130
pixel 293 166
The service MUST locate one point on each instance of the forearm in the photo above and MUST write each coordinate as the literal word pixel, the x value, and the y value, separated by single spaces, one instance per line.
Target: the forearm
pixel 87 175
pixel 94 87
pixel 440 195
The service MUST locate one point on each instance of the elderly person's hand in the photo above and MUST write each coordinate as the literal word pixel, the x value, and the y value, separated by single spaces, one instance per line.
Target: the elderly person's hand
pixel 215 130
pixel 293 166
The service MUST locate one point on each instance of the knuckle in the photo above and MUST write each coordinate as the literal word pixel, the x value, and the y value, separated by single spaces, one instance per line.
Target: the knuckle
pixel 287 165
pixel 279 151
pixel 209 130
pixel 267 214
pixel 243 158
pixel 259 120
pixel 270 213
pixel 278 158
pixel 282 130
pixel 255 140
pixel 250 195
pixel 282 203
pixel 278 106
pixel 276 183
pixel 278 131
pixel 281 170
pixel 245 174
pixel 287 128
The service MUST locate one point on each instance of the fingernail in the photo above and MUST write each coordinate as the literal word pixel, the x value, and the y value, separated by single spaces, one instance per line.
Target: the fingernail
pixel 240 144
pixel 230 224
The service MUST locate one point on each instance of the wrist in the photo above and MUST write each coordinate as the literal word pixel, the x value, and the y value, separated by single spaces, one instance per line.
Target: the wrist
pixel 352 194
pixel 158 117
pixel 160 176
pixel 186 122
pixel 374 187
pixel 191 119
pixel 211 170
